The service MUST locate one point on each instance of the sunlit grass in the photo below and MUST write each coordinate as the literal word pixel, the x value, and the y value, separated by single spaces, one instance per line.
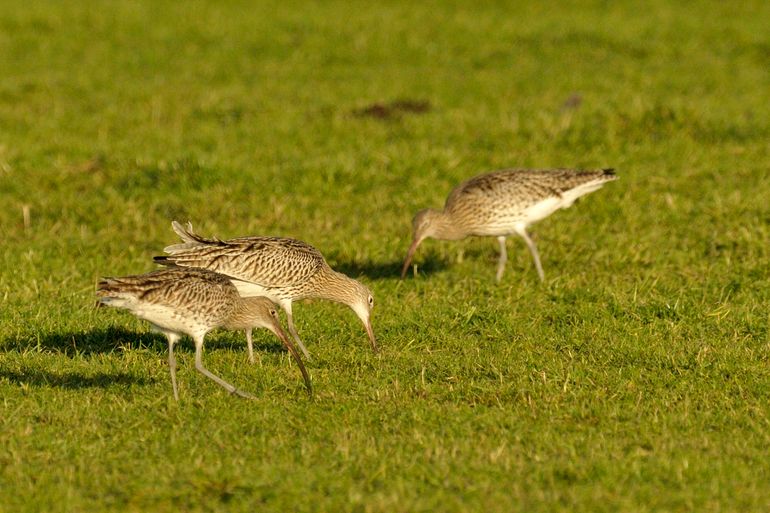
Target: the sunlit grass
pixel 634 379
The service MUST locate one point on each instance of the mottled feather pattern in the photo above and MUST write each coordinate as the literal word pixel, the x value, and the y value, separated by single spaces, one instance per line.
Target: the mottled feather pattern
pixel 502 197
pixel 188 301
pixel 282 269
pixel 251 312
pixel 192 292
pixel 272 262
pixel 501 203
pixel 523 186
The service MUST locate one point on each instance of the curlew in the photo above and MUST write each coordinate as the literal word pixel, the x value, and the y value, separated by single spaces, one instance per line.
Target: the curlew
pixel 192 302
pixel 282 269
pixel 502 203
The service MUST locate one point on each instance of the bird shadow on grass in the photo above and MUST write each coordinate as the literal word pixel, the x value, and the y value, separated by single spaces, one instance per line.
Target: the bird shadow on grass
pixel 72 380
pixel 117 339
pixel 236 341
pixel 429 264
pixel 90 342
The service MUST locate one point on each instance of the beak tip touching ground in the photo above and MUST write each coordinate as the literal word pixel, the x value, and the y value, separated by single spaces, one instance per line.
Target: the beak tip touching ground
pixel 409 255
pixel 370 334
pixel 293 351
pixel 405 267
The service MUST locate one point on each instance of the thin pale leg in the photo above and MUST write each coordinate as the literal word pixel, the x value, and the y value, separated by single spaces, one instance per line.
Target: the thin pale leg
pixel 199 366
pixel 293 330
pixel 503 259
pixel 172 338
pixel 250 345
pixel 533 249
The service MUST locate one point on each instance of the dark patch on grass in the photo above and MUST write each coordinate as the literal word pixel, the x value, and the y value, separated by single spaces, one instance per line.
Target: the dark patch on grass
pixel 572 102
pixel 236 341
pixel 99 341
pixel 116 339
pixel 565 475
pixel 430 264
pixel 394 109
pixel 382 270
pixel 72 380
pixel 372 270
pixel 223 490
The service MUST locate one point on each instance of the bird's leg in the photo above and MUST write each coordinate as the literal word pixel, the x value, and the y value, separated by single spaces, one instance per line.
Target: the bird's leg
pixel 199 365
pixel 533 250
pixel 293 330
pixel 503 259
pixel 172 363
pixel 250 345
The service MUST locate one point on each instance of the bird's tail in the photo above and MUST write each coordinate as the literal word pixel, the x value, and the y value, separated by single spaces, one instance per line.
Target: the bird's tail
pixel 106 286
pixel 190 239
pixel 185 233
pixel 591 181
pixel 609 174
pixel 112 292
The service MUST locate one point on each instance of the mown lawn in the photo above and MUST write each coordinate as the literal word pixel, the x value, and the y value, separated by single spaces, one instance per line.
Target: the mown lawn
pixel 636 378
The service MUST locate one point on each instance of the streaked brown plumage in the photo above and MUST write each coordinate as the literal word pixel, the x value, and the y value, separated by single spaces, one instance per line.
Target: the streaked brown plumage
pixel 282 269
pixel 192 302
pixel 504 202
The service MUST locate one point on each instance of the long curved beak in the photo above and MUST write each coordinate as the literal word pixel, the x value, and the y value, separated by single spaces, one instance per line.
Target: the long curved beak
pixel 409 255
pixel 293 350
pixel 370 333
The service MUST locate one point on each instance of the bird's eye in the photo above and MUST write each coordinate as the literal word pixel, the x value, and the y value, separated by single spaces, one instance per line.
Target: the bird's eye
pixel 273 313
pixel 371 301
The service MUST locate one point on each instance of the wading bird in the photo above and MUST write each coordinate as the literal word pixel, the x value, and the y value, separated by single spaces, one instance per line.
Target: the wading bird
pixel 192 302
pixel 502 203
pixel 282 269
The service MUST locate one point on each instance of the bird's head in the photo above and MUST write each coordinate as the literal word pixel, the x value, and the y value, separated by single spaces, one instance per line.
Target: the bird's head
pixel 257 312
pixel 362 305
pixel 260 312
pixel 423 226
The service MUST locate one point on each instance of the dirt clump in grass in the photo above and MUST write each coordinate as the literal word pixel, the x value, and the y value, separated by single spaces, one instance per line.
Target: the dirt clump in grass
pixel 393 110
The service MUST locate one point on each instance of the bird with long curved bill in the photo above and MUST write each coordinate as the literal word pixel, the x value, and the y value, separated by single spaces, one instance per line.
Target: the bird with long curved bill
pixel 503 203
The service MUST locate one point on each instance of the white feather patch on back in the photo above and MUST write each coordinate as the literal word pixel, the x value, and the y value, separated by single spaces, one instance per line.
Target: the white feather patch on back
pixel 548 206
pixel 248 289
pixel 569 197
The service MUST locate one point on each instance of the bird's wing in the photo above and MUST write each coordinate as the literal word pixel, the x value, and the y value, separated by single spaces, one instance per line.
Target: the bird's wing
pixel 526 187
pixel 179 288
pixel 267 261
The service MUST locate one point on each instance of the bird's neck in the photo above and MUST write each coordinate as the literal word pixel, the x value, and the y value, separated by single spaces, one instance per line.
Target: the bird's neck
pixel 240 318
pixel 335 286
pixel 444 227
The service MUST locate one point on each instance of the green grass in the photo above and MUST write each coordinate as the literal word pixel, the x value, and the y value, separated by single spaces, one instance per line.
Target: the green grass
pixel 636 378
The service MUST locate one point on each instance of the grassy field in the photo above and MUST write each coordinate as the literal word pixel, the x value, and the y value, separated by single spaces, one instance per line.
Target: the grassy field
pixel 636 378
